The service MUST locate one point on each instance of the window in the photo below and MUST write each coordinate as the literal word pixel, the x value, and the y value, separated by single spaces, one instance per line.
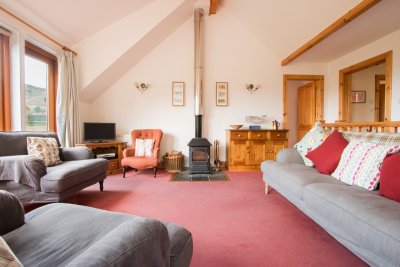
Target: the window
pixel 5 111
pixel 40 89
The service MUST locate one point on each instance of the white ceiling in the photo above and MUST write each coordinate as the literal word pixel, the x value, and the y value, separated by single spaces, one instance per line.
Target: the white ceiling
pixel 77 19
pixel 281 25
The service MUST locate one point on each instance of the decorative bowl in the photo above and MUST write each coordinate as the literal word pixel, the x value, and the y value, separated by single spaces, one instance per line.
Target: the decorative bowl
pixel 236 126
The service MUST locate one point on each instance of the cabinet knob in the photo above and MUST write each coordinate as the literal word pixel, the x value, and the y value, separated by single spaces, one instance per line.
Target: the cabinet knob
pixel 259 135
pixel 239 135
pixel 278 135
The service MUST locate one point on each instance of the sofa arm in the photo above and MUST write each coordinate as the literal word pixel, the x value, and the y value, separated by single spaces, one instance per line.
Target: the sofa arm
pixel 22 169
pixel 75 153
pixel 143 242
pixel 11 212
pixel 289 155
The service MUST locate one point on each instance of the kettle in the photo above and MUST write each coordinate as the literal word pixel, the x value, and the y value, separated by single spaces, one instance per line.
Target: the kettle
pixel 275 125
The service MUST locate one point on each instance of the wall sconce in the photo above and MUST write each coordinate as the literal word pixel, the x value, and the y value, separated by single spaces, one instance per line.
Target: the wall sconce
pixel 142 86
pixel 252 87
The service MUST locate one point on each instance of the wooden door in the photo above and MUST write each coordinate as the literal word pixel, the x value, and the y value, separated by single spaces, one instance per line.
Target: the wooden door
pixel 239 154
pixel 258 151
pixel 306 111
pixel 380 91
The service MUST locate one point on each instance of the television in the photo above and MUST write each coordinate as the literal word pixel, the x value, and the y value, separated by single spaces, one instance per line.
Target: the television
pixel 98 131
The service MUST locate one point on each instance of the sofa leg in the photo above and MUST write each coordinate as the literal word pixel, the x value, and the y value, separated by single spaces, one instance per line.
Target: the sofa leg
pixel 101 185
pixel 266 189
pixel 123 172
pixel 155 172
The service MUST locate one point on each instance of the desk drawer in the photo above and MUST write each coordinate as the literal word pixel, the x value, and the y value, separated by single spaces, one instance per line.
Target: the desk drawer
pixel 278 135
pixel 239 135
pixel 258 135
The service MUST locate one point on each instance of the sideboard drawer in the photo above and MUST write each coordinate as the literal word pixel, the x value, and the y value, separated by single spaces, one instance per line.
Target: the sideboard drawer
pixel 113 164
pixel 258 135
pixel 239 135
pixel 278 135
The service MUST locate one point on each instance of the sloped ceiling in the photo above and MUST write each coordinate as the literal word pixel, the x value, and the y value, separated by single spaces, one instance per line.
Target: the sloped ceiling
pixel 282 26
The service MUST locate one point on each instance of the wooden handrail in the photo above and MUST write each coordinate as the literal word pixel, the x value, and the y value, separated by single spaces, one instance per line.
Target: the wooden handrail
pixel 388 126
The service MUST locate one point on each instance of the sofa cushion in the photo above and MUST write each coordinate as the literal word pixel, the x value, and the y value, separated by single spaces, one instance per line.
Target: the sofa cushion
pixel 386 139
pixel 7 257
pixel 71 235
pixel 71 173
pixel 326 157
pixel 368 219
pixel 310 141
pixel 390 178
pixel 144 147
pixel 11 212
pixel 44 148
pixel 360 163
pixel 293 177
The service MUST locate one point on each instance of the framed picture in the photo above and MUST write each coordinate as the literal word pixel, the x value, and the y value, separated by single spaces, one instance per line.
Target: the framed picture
pixel 221 94
pixel 358 96
pixel 178 93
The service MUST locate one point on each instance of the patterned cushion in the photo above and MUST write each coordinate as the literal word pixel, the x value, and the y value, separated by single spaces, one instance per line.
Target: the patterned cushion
pixel 7 257
pixel 313 139
pixel 386 139
pixel 45 149
pixel 144 147
pixel 361 162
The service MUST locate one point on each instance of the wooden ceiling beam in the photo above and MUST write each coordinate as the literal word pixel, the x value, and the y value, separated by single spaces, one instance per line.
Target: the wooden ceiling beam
pixel 342 21
pixel 213 7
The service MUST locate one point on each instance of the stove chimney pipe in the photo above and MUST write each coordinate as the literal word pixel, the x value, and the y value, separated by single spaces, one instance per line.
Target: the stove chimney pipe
pixel 198 72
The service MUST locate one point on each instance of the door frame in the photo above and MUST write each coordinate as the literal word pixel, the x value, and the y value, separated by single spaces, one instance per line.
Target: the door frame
pixel 301 77
pixel 345 84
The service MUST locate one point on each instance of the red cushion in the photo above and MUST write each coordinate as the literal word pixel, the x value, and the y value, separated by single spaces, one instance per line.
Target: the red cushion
pixel 390 177
pixel 326 157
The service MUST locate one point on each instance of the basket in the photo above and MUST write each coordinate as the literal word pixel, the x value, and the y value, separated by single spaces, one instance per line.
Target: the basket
pixel 173 161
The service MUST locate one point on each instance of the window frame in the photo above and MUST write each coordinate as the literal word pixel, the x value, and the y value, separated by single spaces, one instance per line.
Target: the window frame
pixel 51 60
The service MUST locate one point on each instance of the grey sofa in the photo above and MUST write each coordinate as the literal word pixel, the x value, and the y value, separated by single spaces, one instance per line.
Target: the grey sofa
pixel 62 234
pixel 363 221
pixel 29 179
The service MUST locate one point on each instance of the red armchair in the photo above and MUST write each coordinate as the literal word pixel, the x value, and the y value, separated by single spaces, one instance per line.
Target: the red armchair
pixel 142 162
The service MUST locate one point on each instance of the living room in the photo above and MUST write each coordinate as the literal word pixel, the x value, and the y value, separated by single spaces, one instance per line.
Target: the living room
pixel 121 46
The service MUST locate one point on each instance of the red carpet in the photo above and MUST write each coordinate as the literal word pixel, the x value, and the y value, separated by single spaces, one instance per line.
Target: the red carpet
pixel 233 223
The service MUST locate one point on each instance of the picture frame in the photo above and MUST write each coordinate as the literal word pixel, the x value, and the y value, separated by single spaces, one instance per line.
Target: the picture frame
pixel 221 94
pixel 178 93
pixel 358 96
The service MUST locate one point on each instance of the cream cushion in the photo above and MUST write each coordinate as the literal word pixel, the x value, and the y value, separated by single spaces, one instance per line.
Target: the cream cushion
pixel 144 147
pixel 45 149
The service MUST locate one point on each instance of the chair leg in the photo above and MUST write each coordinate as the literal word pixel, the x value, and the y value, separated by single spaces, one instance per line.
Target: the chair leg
pixel 155 172
pixel 101 185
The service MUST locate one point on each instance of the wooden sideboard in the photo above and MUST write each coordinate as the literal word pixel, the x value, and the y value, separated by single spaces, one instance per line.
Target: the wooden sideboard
pixel 114 166
pixel 247 149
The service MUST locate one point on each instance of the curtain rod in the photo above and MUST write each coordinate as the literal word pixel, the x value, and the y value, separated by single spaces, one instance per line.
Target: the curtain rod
pixel 38 31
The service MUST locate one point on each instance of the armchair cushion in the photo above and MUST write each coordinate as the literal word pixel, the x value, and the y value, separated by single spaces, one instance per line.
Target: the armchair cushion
pixel 22 169
pixel 44 148
pixel 11 212
pixel 7 257
pixel 144 147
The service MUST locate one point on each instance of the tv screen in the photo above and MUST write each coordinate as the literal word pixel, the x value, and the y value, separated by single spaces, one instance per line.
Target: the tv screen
pixel 97 131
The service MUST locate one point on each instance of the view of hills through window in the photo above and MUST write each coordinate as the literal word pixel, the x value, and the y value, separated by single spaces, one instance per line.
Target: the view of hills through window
pixel 36 95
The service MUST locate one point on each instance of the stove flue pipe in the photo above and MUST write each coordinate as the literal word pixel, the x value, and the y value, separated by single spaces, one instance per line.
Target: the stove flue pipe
pixel 198 71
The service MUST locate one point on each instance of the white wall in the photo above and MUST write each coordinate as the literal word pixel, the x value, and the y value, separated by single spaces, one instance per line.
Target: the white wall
pixel 385 44
pixel 364 80
pixel 232 56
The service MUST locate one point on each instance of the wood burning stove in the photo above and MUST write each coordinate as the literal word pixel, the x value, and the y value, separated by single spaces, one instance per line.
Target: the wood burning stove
pixel 199 156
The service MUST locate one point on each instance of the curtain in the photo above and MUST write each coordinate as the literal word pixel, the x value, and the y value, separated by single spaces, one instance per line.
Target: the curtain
pixel 68 121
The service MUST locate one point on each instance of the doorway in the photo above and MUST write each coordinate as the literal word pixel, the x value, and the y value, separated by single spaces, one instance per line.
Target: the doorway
pixel 345 86
pixel 301 122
